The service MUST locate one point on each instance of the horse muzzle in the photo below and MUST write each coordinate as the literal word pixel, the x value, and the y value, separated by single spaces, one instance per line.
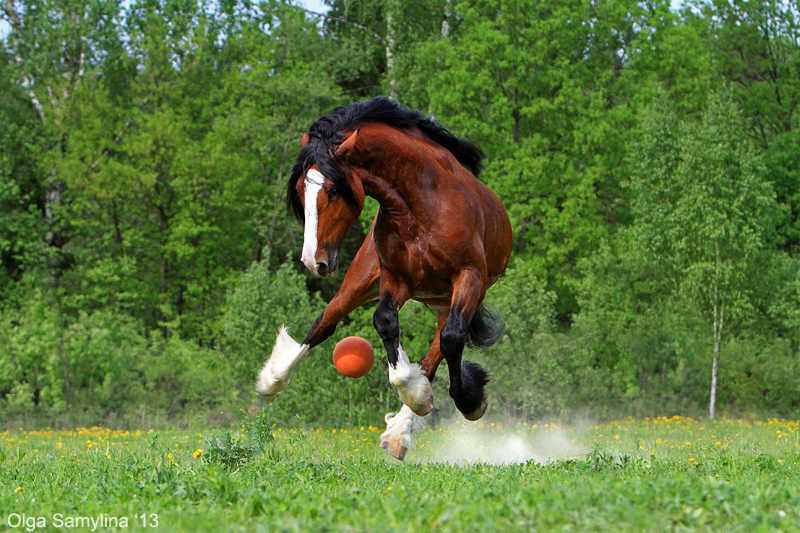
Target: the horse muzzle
pixel 326 266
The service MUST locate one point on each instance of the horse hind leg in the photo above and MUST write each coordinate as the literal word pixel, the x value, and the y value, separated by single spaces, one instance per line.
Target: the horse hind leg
pixel 396 440
pixel 473 400
pixel 467 379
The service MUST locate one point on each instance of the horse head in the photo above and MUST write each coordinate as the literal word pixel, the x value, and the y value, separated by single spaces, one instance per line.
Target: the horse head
pixel 331 199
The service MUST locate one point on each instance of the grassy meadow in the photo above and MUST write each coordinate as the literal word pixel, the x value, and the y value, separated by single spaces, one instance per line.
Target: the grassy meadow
pixel 664 474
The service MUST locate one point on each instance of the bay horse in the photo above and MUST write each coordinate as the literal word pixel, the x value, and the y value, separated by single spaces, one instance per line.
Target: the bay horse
pixel 440 237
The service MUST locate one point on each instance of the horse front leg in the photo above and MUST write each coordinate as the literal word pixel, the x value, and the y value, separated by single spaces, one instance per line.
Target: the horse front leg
pixel 412 386
pixel 277 371
pixel 397 438
pixel 408 378
pixel 360 285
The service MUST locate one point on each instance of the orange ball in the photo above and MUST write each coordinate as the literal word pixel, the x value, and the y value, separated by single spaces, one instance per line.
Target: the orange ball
pixel 353 357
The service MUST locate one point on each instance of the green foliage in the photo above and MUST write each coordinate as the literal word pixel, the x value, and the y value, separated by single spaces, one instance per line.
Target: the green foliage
pixel 704 214
pixel 29 349
pixel 233 452
pixel 21 228
pixel 261 304
pixel 102 364
pixel 725 218
pixel 648 159
pixel 756 48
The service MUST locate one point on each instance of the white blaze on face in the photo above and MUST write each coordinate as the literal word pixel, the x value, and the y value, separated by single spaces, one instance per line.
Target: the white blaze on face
pixel 314 180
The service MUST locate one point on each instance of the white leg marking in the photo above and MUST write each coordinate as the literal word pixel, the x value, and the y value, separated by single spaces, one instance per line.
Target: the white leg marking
pixel 314 181
pixel 397 438
pixel 277 370
pixel 412 385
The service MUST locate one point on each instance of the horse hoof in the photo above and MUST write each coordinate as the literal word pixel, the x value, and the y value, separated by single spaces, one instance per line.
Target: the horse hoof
pixel 394 448
pixel 477 413
pixel 423 408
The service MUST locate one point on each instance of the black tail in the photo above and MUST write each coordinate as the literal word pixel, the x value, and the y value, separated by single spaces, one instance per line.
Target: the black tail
pixel 485 329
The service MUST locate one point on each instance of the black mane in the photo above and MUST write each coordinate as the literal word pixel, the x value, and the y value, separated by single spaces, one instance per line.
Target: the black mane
pixel 326 133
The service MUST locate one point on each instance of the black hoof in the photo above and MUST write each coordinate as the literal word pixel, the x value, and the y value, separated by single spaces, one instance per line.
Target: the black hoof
pixel 477 414
pixel 471 398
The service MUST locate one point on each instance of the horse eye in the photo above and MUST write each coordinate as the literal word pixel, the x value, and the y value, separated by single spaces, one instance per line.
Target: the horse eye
pixel 333 194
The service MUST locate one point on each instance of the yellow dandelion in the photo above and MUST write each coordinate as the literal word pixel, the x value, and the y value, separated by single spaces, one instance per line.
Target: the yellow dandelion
pixel 197 453
pixel 18 489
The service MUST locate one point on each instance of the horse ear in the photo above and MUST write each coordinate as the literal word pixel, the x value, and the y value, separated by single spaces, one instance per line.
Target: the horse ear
pixel 305 139
pixel 347 145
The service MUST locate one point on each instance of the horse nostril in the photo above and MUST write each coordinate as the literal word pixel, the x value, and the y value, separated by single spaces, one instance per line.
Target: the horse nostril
pixel 322 268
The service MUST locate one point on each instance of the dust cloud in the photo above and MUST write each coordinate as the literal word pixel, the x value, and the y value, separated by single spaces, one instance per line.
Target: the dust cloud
pixel 464 443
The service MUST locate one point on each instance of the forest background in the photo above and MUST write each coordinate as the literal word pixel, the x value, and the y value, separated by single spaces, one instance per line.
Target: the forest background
pixel 649 160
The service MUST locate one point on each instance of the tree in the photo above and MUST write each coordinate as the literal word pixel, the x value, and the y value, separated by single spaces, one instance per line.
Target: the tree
pixel 21 227
pixel 369 35
pixel 704 213
pixel 176 164
pixel 56 46
pixel 543 89
pixel 755 46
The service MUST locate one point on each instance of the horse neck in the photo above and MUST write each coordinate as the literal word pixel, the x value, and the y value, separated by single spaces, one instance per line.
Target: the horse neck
pixel 393 172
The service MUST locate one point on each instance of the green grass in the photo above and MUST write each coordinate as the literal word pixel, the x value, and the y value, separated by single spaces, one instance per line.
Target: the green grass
pixel 637 475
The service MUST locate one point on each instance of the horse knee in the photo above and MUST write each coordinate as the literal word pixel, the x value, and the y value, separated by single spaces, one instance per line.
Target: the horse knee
pixel 319 331
pixel 386 321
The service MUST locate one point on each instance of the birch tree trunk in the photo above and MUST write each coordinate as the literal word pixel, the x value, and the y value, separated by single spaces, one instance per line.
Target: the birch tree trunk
pixel 391 38
pixel 719 322
pixel 446 21
pixel 50 103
